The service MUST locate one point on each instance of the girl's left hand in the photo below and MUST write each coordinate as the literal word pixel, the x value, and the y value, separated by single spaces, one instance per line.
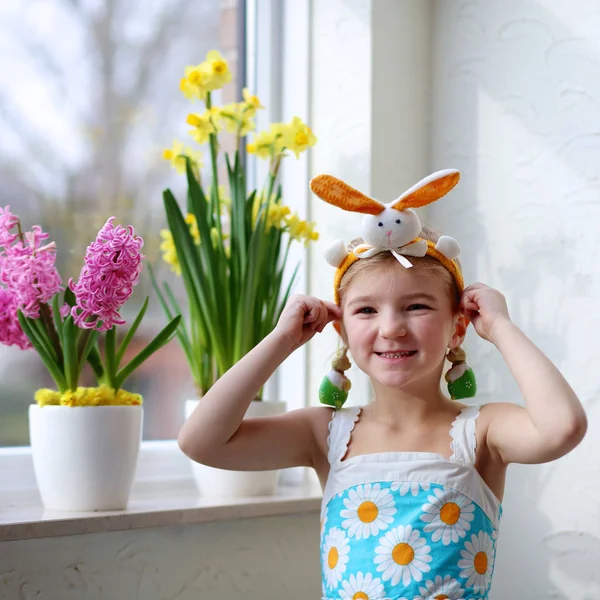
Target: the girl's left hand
pixel 485 307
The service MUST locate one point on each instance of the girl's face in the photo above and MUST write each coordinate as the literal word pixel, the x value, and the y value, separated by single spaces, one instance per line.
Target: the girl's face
pixel 398 324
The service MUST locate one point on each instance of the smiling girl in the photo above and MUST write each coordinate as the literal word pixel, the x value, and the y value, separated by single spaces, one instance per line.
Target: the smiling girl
pixel 413 480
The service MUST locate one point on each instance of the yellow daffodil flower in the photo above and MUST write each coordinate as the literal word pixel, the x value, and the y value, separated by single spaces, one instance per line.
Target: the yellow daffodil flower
pixel 277 212
pixel 276 215
pixel 268 144
pixel 301 230
pixel 297 136
pixel 237 119
pixel 190 219
pixel 194 83
pixel 177 155
pixel 169 253
pixel 309 234
pixel 204 125
pixel 296 227
pixel 218 70
pixel 252 102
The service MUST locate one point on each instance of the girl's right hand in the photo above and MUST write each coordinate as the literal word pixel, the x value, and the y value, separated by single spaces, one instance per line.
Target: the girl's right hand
pixel 303 316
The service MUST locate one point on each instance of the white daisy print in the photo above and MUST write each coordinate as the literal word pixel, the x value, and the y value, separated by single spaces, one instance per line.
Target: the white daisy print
pixel 448 515
pixel 335 556
pixel 409 486
pixel 402 555
pixel 478 561
pixel 441 589
pixel 361 587
pixel 368 511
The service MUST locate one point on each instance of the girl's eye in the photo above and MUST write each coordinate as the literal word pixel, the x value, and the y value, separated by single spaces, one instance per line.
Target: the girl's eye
pixel 418 307
pixel 367 310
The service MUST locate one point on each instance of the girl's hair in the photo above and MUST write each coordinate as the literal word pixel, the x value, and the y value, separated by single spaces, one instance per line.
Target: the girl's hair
pixel 387 259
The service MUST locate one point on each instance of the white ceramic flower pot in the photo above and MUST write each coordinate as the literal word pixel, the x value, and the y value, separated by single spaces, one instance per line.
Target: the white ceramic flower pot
pixel 85 457
pixel 221 483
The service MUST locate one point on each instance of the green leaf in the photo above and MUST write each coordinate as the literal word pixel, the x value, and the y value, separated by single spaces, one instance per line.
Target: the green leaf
pixel 40 348
pixel 95 361
pixel 110 343
pixel 38 329
pixel 87 341
pixel 70 297
pixel 158 342
pixel 69 344
pixel 58 322
pixel 129 336
pixel 195 261
pixel 194 356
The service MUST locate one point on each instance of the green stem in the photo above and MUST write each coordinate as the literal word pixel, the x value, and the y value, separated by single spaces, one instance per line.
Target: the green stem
pixel 214 196
pixel 46 318
pixel 273 172
pixel 111 368
pixel 69 344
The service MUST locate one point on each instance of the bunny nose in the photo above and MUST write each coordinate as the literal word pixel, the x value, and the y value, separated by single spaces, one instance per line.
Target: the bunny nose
pixel 388 233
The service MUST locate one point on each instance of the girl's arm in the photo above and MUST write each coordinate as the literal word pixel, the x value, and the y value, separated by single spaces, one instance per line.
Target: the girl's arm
pixel 553 421
pixel 216 433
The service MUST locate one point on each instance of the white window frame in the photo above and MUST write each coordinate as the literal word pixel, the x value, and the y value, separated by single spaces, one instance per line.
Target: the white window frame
pixel 277 48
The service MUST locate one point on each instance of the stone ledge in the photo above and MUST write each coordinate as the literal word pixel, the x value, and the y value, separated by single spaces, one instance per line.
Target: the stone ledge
pixel 22 521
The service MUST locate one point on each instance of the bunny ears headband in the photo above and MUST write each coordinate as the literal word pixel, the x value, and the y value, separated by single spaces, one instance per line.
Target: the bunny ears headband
pixel 392 227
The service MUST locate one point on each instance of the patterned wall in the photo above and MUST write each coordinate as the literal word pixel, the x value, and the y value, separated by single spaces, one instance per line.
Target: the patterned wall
pixel 516 105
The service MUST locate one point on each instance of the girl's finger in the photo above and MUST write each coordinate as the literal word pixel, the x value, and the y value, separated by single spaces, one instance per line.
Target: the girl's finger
pixel 333 309
pixel 321 317
pixel 311 315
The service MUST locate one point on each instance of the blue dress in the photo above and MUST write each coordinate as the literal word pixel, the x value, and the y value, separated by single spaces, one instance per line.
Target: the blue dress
pixel 407 525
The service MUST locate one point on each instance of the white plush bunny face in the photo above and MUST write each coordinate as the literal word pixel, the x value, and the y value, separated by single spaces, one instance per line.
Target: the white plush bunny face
pixel 391 228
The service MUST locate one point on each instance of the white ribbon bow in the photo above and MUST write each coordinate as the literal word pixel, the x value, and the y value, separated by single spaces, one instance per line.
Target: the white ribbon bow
pixel 418 248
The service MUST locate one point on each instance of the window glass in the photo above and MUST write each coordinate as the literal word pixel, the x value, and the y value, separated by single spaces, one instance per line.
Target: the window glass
pixel 89 98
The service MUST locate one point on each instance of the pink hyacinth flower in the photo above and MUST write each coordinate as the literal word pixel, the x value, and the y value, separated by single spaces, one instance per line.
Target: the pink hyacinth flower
pixel 112 268
pixel 11 333
pixel 8 227
pixel 27 268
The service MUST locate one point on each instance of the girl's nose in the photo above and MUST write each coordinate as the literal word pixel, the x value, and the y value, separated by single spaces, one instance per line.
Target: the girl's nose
pixel 393 326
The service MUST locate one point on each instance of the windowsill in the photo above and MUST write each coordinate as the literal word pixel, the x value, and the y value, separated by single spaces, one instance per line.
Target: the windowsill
pixel 22 521
pixel 164 494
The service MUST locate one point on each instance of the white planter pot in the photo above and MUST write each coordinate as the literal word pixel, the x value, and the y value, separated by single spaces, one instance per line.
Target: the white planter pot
pixel 219 482
pixel 85 457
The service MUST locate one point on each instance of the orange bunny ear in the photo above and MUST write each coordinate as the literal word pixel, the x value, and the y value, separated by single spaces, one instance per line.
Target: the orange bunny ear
pixel 340 194
pixel 428 190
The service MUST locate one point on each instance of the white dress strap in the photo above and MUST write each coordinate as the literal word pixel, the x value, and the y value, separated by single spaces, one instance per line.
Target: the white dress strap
pixel 462 432
pixel 340 427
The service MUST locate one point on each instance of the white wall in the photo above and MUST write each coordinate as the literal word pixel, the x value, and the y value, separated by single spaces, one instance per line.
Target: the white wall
pixel 516 88
pixel 273 558
pixel 370 111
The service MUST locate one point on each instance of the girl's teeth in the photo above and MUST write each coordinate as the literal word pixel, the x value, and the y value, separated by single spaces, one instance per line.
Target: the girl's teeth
pixel 395 354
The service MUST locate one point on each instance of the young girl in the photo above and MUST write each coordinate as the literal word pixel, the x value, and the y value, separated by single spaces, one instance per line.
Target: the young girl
pixel 413 481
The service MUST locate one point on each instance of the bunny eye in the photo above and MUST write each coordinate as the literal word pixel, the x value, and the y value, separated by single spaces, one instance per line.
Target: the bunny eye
pixel 380 224
pixel 398 221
